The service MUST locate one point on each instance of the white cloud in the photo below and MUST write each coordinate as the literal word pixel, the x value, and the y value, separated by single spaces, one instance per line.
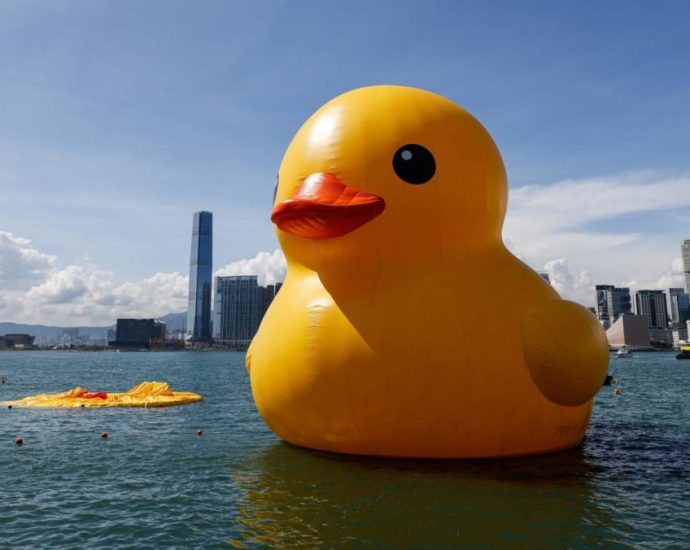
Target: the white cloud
pixel 572 203
pixel 35 289
pixel 547 223
pixel 269 267
pixel 20 263
pixel 543 220
pixel 673 278
pixel 63 286
pixel 574 287
pixel 83 295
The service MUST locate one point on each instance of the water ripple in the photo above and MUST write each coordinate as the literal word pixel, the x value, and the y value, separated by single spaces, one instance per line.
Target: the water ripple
pixel 154 483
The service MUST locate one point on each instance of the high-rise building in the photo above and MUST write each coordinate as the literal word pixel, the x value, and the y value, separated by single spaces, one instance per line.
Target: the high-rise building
pixel 239 306
pixel 685 250
pixel 612 302
pixel 652 303
pixel 680 306
pixel 200 273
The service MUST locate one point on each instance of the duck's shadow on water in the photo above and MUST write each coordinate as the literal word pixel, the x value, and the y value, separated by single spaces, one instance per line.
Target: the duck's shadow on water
pixel 292 496
pixel 563 466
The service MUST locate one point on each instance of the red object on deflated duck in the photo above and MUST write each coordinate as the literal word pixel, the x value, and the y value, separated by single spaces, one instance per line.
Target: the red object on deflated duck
pixel 95 395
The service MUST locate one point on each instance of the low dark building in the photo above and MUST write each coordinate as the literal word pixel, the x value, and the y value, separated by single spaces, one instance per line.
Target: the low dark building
pixel 138 333
pixel 16 341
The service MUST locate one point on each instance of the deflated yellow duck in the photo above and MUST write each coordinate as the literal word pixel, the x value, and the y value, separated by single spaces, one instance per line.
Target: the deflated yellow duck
pixel 405 327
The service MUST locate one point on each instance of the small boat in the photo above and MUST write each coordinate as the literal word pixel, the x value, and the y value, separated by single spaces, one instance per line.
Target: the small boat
pixel 607 380
pixel 623 352
pixel 684 353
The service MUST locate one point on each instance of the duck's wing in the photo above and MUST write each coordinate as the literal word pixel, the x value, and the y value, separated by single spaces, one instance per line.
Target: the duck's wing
pixel 566 351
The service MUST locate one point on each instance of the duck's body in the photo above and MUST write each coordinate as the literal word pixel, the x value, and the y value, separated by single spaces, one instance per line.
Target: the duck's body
pixel 392 342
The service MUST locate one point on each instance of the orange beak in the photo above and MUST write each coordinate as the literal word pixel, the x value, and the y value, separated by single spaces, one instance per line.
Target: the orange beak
pixel 324 207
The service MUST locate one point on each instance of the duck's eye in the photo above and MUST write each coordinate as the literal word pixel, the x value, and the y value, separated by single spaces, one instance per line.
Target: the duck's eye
pixel 275 189
pixel 414 164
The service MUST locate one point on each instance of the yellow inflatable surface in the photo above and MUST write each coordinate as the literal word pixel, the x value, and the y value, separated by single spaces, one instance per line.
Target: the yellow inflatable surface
pixel 146 394
pixel 405 327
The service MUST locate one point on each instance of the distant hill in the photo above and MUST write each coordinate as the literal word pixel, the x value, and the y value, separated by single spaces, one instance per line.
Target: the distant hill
pixel 174 321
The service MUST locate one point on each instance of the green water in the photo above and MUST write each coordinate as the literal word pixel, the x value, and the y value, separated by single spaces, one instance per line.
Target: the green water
pixel 154 483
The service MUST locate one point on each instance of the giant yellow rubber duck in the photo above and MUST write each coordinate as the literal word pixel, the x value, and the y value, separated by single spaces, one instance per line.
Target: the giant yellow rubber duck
pixel 405 328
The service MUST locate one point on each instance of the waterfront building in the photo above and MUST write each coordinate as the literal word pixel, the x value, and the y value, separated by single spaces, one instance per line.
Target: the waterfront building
pixel 200 275
pixel 685 251
pixel 652 303
pixel 239 305
pixel 680 306
pixel 138 333
pixel 629 330
pixel 612 302
pixel 16 341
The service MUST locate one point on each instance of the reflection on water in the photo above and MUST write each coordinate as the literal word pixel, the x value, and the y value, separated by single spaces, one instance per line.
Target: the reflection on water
pixel 294 497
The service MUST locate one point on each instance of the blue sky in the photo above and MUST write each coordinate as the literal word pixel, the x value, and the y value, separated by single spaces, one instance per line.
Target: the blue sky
pixel 120 119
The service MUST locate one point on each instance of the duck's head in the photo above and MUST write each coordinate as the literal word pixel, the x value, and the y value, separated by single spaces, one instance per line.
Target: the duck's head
pixel 388 172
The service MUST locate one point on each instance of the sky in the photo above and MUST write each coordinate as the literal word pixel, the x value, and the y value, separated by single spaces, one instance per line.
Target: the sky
pixel 120 119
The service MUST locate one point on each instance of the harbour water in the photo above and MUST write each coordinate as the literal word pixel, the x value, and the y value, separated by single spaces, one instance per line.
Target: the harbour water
pixel 154 483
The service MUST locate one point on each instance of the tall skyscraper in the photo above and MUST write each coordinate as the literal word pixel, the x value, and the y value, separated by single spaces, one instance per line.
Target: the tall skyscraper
pixel 652 303
pixel 200 273
pixel 612 302
pixel 239 305
pixel 685 249
pixel 680 306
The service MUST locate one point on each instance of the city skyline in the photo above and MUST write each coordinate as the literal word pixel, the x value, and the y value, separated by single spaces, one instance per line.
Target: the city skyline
pixel 115 131
pixel 607 302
